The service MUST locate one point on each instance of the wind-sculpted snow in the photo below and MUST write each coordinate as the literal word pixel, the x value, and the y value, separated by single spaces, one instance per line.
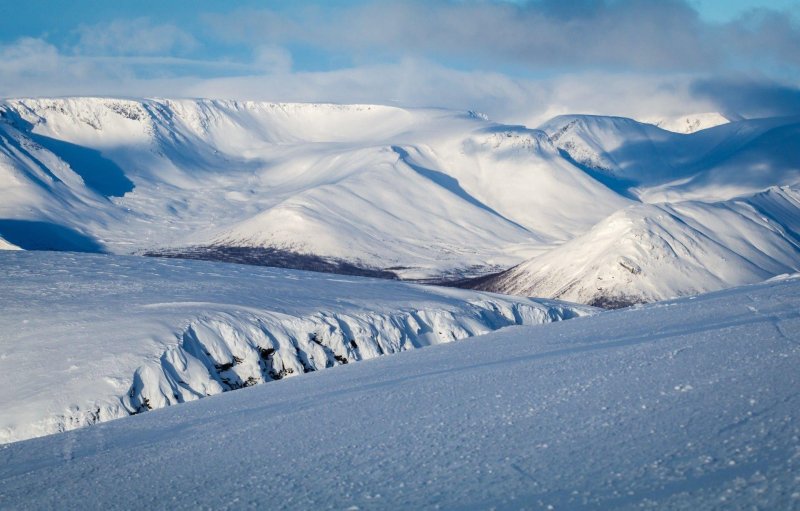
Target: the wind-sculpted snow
pixel 88 338
pixel 651 252
pixel 692 404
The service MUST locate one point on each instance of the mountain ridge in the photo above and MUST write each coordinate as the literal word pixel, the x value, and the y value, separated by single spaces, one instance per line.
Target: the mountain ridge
pixel 652 252
pixel 420 194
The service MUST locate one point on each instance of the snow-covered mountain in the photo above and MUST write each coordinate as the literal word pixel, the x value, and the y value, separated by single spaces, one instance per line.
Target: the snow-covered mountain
pixel 85 338
pixel 652 165
pixel 691 230
pixel 651 252
pixel 691 123
pixel 364 189
pixel 692 404
pixel 420 191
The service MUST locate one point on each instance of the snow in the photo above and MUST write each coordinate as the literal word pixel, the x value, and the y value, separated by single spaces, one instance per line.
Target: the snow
pixel 651 252
pixel 691 123
pixel 708 214
pixel 4 245
pixel 426 194
pixel 690 404
pixel 86 338
pixel 653 165
pixel 423 190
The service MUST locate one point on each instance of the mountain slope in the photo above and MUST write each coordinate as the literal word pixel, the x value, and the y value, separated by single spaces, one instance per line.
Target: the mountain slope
pixel 411 193
pixel 86 338
pixel 654 165
pixel 685 405
pixel 691 123
pixel 651 252
pixel 425 191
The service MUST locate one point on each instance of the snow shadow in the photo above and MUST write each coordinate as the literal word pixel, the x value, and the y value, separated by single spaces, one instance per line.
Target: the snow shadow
pixel 449 183
pixel 754 153
pixel 98 173
pixel 38 235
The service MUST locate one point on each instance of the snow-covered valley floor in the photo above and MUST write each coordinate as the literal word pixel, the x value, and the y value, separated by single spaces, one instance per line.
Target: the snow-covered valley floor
pixel 689 404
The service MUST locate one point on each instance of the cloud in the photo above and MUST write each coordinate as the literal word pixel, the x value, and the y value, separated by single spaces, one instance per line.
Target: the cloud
pixel 133 37
pixel 30 61
pixel 748 97
pixel 767 36
pixel 420 83
pixel 518 62
pixel 34 67
pixel 543 35
pixel 272 59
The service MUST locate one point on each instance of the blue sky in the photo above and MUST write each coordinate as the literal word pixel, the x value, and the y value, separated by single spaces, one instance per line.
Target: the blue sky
pixel 726 10
pixel 610 56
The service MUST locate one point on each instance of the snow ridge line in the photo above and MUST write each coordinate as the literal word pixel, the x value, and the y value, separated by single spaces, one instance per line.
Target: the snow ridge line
pixel 226 351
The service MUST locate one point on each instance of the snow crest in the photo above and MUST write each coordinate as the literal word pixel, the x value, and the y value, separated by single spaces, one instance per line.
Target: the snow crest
pixel 227 352
pixel 653 252
pixel 85 338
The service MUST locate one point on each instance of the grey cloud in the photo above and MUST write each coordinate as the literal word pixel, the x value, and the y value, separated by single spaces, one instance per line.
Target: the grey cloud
pixel 773 37
pixel 748 97
pixel 643 35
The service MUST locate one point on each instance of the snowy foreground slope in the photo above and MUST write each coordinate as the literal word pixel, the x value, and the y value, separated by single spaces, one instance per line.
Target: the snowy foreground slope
pixel 87 338
pixel 691 404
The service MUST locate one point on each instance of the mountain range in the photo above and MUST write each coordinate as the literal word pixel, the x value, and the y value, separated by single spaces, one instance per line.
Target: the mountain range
pixel 602 210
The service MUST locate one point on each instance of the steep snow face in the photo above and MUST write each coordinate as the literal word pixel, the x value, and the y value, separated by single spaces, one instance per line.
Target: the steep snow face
pixel 4 245
pixel 86 338
pixel 523 176
pixel 686 124
pixel 692 404
pixel 606 144
pixel 654 165
pixel 653 252
pixel 425 191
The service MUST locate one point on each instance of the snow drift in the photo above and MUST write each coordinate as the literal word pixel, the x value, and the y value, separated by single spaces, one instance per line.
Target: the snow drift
pixel 87 338
pixel 691 404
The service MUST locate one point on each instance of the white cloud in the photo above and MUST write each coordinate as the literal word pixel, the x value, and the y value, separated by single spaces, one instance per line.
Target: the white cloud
pixel 133 37
pixel 425 84
pixel 600 57
pixel 34 68
pixel 28 56
pixel 272 59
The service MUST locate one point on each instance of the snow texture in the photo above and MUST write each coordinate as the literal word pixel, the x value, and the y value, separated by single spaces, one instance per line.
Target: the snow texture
pixel 691 404
pixel 421 191
pixel 651 252
pixel 419 194
pixel 87 338
pixel 691 123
